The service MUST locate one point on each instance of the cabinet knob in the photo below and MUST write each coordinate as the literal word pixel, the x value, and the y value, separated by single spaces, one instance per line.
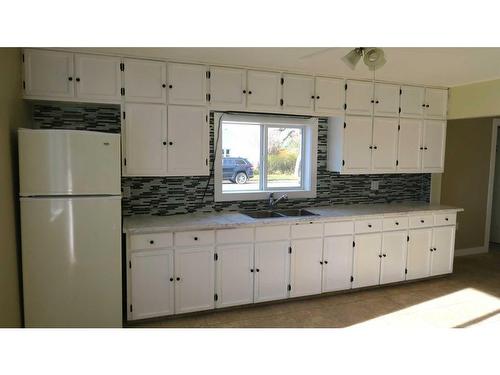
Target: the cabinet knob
pixel 317 97
pixel 77 79
pixel 421 148
pixel 372 101
pixel 171 279
pixel 251 269
pixel 370 147
pixel 369 225
pixel 446 218
pixel 257 270
pixel 432 249
pixel 196 238
pixel 422 221
pixel 427 106
pixel 178 278
pixel 376 102
pixel 151 242
pixel 396 223
pixel 435 249
pixel 380 255
pixel 384 255
pixel 170 143
pixel 375 147
pixel 70 78
pixel 425 148
pixel 164 85
pixel 244 91
pixel 312 96
pixel 423 105
pixel 320 262
pixel 326 262
pixel 250 92
pixel 164 143
pixel 170 86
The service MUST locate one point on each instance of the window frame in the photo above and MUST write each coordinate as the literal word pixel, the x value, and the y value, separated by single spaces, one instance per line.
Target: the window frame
pixel 309 150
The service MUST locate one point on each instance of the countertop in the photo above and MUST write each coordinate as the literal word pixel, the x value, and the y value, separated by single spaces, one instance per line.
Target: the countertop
pixel 221 220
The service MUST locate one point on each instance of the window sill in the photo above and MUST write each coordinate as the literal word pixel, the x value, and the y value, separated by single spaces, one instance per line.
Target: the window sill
pixel 261 195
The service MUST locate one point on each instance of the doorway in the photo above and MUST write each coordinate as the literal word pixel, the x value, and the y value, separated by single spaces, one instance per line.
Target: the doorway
pixel 494 198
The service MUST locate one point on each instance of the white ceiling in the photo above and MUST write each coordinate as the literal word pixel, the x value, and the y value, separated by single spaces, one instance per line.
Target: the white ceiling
pixel 430 66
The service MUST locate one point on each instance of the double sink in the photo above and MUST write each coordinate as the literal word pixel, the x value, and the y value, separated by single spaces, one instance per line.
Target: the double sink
pixel 269 214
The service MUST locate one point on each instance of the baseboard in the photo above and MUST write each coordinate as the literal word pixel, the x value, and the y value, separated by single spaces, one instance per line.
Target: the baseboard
pixel 471 251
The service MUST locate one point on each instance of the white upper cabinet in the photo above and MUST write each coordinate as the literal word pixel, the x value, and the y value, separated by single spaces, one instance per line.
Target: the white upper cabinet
pixel 263 91
pixel 337 263
pixel 98 78
pixel 272 270
pixel 419 253
pixel 359 98
pixel 357 144
pixel 330 95
pixel 298 93
pixel 306 266
pixel 187 140
pixel 443 244
pixel 385 144
pixel 145 81
pixel 145 140
pixel 409 145
pixel 187 84
pixel 227 88
pixel 393 260
pixel 366 264
pixel 433 146
pixel 436 101
pixel 386 100
pixel 412 101
pixel 48 74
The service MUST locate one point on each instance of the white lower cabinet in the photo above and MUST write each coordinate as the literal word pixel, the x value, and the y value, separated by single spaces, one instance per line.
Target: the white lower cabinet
pixel 419 253
pixel 366 263
pixel 337 263
pixel 272 270
pixel 443 243
pixel 393 260
pixel 194 279
pixel 306 264
pixel 234 275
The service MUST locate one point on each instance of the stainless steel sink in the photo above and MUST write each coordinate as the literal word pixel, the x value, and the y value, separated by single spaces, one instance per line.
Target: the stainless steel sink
pixel 263 214
pixel 268 214
pixel 296 212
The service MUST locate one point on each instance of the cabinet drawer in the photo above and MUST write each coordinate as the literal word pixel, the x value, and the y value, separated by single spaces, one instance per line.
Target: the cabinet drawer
pixel 341 227
pixel 393 223
pixel 194 238
pixel 308 230
pixel 421 221
pixel 445 219
pixel 151 241
pixel 368 225
pixel 239 235
pixel 272 233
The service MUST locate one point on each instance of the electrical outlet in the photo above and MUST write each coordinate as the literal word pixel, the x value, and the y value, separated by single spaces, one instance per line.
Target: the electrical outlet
pixel 126 192
pixel 374 185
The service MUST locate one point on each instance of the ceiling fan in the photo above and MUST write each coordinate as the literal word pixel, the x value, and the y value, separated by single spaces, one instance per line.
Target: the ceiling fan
pixel 372 57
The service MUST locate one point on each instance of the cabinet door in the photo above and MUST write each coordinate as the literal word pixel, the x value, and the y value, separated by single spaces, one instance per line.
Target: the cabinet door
pixel 337 263
pixel 330 95
pixel 434 146
pixel 264 90
pixel 357 144
pixel 412 101
pixel 393 264
pixel 48 74
pixel 145 81
pixel 194 279
pixel 151 283
pixel 187 84
pixel 386 100
pixel 234 275
pixel 443 243
pixel 187 141
pixel 359 98
pixel 98 78
pixel 409 143
pixel 145 135
pixel 436 101
pixel 272 270
pixel 385 144
pixel 298 93
pixel 366 263
pixel 419 254
pixel 306 267
pixel 227 88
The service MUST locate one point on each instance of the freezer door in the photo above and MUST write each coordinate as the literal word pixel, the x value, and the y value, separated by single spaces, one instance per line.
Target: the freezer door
pixel 71 260
pixel 68 162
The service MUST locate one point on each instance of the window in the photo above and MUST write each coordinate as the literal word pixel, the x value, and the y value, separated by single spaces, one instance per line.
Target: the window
pixel 260 154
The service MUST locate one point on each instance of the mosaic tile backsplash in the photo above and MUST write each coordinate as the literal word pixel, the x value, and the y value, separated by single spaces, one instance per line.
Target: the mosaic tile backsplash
pixel 176 195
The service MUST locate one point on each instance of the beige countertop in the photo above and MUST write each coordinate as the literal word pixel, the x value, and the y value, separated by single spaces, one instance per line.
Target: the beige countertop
pixel 220 220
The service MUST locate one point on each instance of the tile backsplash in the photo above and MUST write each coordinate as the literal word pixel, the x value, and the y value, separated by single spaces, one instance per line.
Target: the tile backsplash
pixel 174 195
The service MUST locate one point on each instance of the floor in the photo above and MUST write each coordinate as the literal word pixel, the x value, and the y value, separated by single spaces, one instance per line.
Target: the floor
pixel 470 297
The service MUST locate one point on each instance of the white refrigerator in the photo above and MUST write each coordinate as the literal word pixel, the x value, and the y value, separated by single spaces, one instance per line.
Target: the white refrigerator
pixel 70 228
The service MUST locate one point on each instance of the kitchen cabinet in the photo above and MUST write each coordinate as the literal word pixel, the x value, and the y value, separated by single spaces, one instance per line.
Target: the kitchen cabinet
pixel 366 260
pixel 357 137
pixel 298 93
pixel 442 253
pixel 359 98
pixel 98 78
pixel 412 101
pixel 227 88
pixel 330 95
pixel 337 263
pixel 264 91
pixel 145 81
pixel 386 99
pixel 152 283
pixel 409 143
pixel 187 84
pixel 393 260
pixel 434 137
pixel 306 267
pixel 48 74
pixel 187 142
pixel 435 103
pixel 234 274
pixel 419 253
pixel 145 139
pixel 272 270
pixel 384 147
pixel 194 279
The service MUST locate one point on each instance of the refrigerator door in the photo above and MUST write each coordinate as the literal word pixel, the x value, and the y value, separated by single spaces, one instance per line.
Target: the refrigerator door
pixel 71 259
pixel 68 162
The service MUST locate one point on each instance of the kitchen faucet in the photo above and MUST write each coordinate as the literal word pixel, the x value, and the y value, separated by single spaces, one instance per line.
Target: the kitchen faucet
pixel 273 202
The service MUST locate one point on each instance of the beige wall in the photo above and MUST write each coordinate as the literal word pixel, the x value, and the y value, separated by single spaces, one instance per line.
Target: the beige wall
pixel 13 113
pixel 464 182
pixel 475 100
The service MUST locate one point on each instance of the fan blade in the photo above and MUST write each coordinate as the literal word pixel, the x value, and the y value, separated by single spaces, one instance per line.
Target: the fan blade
pixel 321 51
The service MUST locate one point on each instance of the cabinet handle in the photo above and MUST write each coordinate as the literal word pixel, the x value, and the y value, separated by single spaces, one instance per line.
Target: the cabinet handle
pixel 171 279
pixel 178 278
pixel 70 78
pixel 151 242
pixel 170 143
pixel 326 262
pixel 196 238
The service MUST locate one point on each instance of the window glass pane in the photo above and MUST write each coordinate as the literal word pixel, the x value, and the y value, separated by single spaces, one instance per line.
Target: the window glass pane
pixel 284 157
pixel 240 157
